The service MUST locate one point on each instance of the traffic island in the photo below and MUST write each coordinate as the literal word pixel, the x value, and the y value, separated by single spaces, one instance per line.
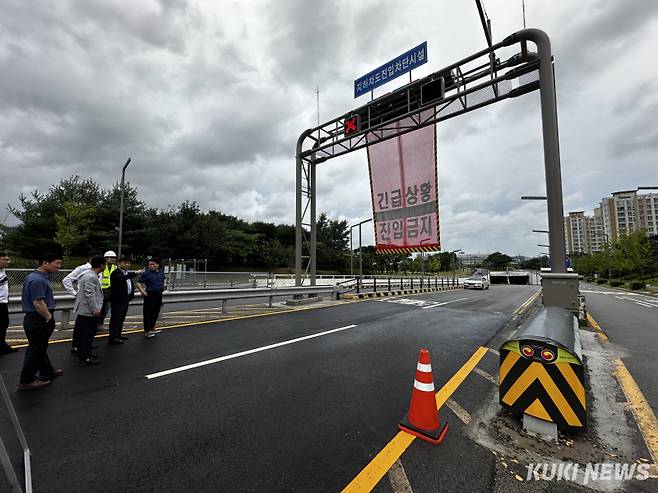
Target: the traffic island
pixel 592 457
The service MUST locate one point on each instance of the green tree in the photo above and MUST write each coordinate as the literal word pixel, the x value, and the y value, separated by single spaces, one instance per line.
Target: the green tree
pixel 498 260
pixel 73 226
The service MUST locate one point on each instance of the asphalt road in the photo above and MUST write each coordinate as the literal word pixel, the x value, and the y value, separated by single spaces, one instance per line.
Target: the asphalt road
pixel 305 416
pixel 630 320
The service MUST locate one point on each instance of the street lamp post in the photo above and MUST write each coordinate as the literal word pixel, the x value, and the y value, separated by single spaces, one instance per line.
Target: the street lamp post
pixel 123 185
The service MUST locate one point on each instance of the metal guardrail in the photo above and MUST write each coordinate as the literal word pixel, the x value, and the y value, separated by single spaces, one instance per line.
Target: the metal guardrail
pixel 542 373
pixel 182 280
pixel 10 474
pixel 65 302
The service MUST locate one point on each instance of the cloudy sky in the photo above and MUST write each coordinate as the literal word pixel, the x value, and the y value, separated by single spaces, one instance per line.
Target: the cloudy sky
pixel 209 97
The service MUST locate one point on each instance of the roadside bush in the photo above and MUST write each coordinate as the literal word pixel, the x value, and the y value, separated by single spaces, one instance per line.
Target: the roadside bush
pixel 616 283
pixel 601 281
pixel 636 284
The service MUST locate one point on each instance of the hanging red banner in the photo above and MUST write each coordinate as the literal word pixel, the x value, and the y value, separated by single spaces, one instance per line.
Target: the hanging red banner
pixel 404 189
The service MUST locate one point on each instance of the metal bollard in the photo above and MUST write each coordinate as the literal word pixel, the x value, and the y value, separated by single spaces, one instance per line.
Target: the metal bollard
pixel 270 299
pixel 374 284
pixel 412 283
pixel 224 306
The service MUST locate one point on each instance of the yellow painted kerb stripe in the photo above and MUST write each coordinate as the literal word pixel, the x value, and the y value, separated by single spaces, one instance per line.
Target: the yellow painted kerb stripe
pixel 368 478
pixel 644 415
pixel 599 331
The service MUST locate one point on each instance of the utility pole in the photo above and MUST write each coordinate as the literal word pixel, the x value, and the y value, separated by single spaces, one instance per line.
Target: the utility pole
pixel 123 186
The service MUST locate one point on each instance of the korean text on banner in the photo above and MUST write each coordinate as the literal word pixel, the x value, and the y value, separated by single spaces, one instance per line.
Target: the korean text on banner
pixel 404 187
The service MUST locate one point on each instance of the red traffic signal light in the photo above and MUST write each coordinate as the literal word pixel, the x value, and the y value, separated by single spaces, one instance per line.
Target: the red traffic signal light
pixel 351 125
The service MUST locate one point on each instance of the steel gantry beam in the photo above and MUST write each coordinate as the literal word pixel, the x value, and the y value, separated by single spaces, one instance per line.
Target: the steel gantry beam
pixel 481 79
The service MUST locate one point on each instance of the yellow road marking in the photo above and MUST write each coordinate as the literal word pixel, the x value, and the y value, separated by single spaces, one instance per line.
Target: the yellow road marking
pixel 219 320
pixel 599 331
pixel 527 303
pixel 644 415
pixel 370 475
pixel 380 464
pixel 457 379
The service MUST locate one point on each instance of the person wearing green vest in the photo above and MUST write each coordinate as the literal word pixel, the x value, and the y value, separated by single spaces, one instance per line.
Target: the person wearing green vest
pixel 110 266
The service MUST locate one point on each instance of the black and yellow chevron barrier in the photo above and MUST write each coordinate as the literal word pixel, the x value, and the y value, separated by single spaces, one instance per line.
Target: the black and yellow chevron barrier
pixel 541 377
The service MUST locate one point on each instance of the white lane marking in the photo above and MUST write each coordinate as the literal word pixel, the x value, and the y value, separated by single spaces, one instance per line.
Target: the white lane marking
pixel 459 411
pixel 641 302
pixel 444 303
pixel 486 375
pixel 245 353
pixel 398 478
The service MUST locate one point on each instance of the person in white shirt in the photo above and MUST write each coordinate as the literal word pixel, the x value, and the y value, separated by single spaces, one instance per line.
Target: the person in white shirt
pixel 70 282
pixel 4 305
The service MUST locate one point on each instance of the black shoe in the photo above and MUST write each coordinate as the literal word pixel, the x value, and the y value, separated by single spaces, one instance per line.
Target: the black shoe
pixel 123 338
pixel 89 362
pixel 114 342
pixel 74 350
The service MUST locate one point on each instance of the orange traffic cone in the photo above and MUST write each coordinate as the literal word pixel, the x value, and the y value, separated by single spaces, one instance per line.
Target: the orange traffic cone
pixel 422 420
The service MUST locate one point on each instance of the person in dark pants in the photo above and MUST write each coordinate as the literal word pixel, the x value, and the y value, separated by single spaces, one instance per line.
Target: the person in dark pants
pixel 122 291
pixel 152 284
pixel 4 305
pixel 87 307
pixel 110 266
pixel 39 305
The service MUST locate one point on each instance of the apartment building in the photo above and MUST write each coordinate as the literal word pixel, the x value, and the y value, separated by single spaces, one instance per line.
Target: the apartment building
pixel 647 212
pixel 628 211
pixel 577 229
pixel 624 212
pixel 597 235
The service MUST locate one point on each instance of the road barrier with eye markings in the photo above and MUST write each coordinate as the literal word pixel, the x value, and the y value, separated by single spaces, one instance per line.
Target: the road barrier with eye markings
pixel 541 370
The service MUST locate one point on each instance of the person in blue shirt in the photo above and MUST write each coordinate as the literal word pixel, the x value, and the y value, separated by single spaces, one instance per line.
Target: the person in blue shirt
pixel 152 283
pixel 39 306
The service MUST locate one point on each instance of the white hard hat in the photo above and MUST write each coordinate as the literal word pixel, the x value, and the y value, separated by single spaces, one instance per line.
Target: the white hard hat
pixel 110 253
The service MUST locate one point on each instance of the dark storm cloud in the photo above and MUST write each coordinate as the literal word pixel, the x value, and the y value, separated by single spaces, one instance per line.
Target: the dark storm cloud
pixel 637 132
pixel 208 98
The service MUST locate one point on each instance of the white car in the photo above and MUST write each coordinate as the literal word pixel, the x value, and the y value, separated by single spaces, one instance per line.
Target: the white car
pixel 476 282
